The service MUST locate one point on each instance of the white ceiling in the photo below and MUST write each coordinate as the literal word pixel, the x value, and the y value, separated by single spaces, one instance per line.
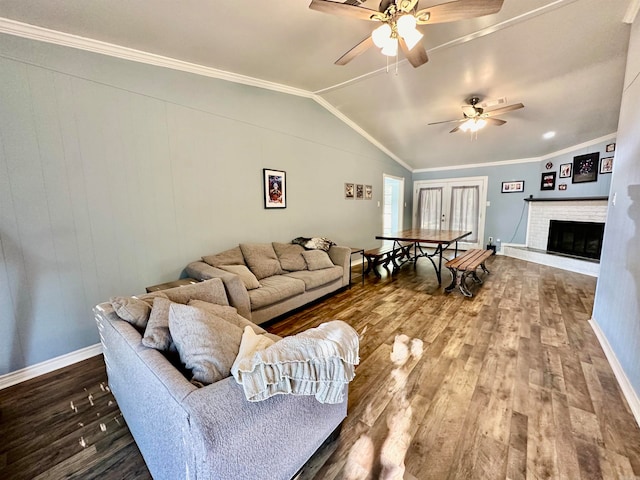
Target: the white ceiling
pixel 563 59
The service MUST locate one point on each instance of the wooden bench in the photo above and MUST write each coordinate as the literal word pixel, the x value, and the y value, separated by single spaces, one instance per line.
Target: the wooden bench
pixel 465 265
pixel 385 255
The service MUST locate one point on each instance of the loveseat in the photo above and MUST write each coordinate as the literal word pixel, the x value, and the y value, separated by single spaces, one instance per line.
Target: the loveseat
pixel 265 280
pixel 211 432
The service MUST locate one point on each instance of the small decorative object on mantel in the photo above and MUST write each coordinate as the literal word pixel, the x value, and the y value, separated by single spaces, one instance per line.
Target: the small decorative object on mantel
pixel 606 165
pixel 349 191
pixel 549 165
pixel 368 192
pixel 565 170
pixel 513 187
pixel 562 186
pixel 548 181
pixel 359 192
pixel 611 147
pixel 275 188
pixel 585 168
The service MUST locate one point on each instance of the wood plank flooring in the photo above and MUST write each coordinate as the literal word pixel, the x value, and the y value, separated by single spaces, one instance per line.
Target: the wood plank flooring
pixel 510 384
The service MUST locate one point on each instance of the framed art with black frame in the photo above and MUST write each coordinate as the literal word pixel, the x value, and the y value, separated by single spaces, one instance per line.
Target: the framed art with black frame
pixel 275 188
pixel 513 187
pixel 565 170
pixel 548 181
pixel 585 168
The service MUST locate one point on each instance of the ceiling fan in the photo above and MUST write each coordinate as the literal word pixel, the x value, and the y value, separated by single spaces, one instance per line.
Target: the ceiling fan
pixel 476 118
pixel 399 19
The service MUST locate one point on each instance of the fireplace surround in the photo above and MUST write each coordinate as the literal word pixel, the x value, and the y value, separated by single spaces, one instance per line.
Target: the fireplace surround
pixel 576 239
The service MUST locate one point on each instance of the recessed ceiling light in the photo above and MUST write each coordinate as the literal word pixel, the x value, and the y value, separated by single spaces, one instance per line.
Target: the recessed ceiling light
pixel 549 135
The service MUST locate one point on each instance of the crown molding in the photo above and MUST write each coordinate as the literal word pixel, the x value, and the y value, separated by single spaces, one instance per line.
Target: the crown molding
pixel 632 12
pixel 33 32
pixel 610 136
pixel 41 34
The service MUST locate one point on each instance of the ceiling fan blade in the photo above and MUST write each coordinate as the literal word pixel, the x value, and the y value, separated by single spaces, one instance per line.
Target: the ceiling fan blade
pixel 449 121
pixel 455 130
pixel 469 111
pixel 506 109
pixel 343 9
pixel 355 51
pixel 495 121
pixel 458 10
pixel 417 55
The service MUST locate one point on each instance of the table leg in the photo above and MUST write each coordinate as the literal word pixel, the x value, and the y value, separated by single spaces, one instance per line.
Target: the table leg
pixel 362 253
pixel 439 269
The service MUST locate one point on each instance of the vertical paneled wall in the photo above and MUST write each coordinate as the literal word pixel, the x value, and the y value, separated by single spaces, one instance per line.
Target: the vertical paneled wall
pixel 617 302
pixel 114 175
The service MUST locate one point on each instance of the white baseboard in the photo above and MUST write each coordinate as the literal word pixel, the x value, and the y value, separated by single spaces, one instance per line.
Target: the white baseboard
pixel 47 366
pixel 504 244
pixel 625 385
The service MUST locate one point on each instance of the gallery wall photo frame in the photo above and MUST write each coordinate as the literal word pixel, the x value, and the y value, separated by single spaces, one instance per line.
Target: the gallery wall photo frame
pixel 606 165
pixel 585 168
pixel 513 187
pixel 368 192
pixel 359 191
pixel 565 170
pixel 548 181
pixel 349 191
pixel 275 188
pixel 611 147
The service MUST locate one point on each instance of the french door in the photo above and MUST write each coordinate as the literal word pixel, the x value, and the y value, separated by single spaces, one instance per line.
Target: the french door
pixel 452 204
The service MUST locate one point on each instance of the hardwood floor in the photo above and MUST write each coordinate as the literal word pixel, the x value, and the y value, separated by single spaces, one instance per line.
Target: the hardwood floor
pixel 511 384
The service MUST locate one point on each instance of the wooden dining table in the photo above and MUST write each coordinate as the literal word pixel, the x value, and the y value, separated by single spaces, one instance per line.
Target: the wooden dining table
pixel 442 239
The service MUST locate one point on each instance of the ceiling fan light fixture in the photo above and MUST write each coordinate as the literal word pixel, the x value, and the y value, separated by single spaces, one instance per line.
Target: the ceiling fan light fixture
pixel 473 125
pixel 381 35
pixel 391 47
pixel 407 29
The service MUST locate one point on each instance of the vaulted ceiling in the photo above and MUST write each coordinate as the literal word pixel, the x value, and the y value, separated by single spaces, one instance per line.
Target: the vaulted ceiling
pixel 563 59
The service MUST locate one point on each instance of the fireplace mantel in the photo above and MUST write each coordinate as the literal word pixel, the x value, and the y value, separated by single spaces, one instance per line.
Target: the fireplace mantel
pixel 564 199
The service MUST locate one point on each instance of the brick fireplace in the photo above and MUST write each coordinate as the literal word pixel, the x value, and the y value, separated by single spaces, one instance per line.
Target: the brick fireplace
pixel 541 212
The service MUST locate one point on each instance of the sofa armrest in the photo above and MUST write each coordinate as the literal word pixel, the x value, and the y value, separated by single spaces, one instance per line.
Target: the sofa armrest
pixel 341 256
pixel 277 435
pixel 236 291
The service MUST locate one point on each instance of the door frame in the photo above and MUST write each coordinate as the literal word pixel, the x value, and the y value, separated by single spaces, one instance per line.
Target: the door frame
pixel 456 181
pixel 400 196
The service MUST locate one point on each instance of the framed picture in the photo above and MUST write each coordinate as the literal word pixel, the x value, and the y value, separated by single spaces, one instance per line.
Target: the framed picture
pixel 611 147
pixel 606 165
pixel 562 186
pixel 349 191
pixel 513 187
pixel 275 188
pixel 565 170
pixel 368 192
pixel 585 168
pixel 548 181
pixel 359 192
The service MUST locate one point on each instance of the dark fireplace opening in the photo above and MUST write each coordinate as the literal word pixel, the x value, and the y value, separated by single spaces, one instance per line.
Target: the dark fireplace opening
pixel 577 239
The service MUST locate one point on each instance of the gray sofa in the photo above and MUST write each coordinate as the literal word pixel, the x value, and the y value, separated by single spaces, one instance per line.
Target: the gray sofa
pixel 213 432
pixel 289 276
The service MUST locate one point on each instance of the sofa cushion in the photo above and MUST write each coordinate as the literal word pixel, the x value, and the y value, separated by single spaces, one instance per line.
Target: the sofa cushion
pixel 317 259
pixel 135 310
pixel 275 289
pixel 261 259
pixel 290 256
pixel 249 279
pixel 210 291
pixel 232 256
pixel 208 345
pixel 317 278
pixel 157 335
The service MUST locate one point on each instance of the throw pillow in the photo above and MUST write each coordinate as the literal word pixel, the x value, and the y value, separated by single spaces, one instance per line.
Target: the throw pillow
pixel 261 259
pixel 317 259
pixel 207 344
pixel 314 243
pixel 229 314
pixel 157 334
pixel 132 310
pixel 249 279
pixel 290 256
pixel 232 256
pixel 210 291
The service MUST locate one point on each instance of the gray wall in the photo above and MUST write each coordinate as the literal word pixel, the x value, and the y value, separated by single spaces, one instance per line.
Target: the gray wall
pixel 507 214
pixel 114 175
pixel 617 302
